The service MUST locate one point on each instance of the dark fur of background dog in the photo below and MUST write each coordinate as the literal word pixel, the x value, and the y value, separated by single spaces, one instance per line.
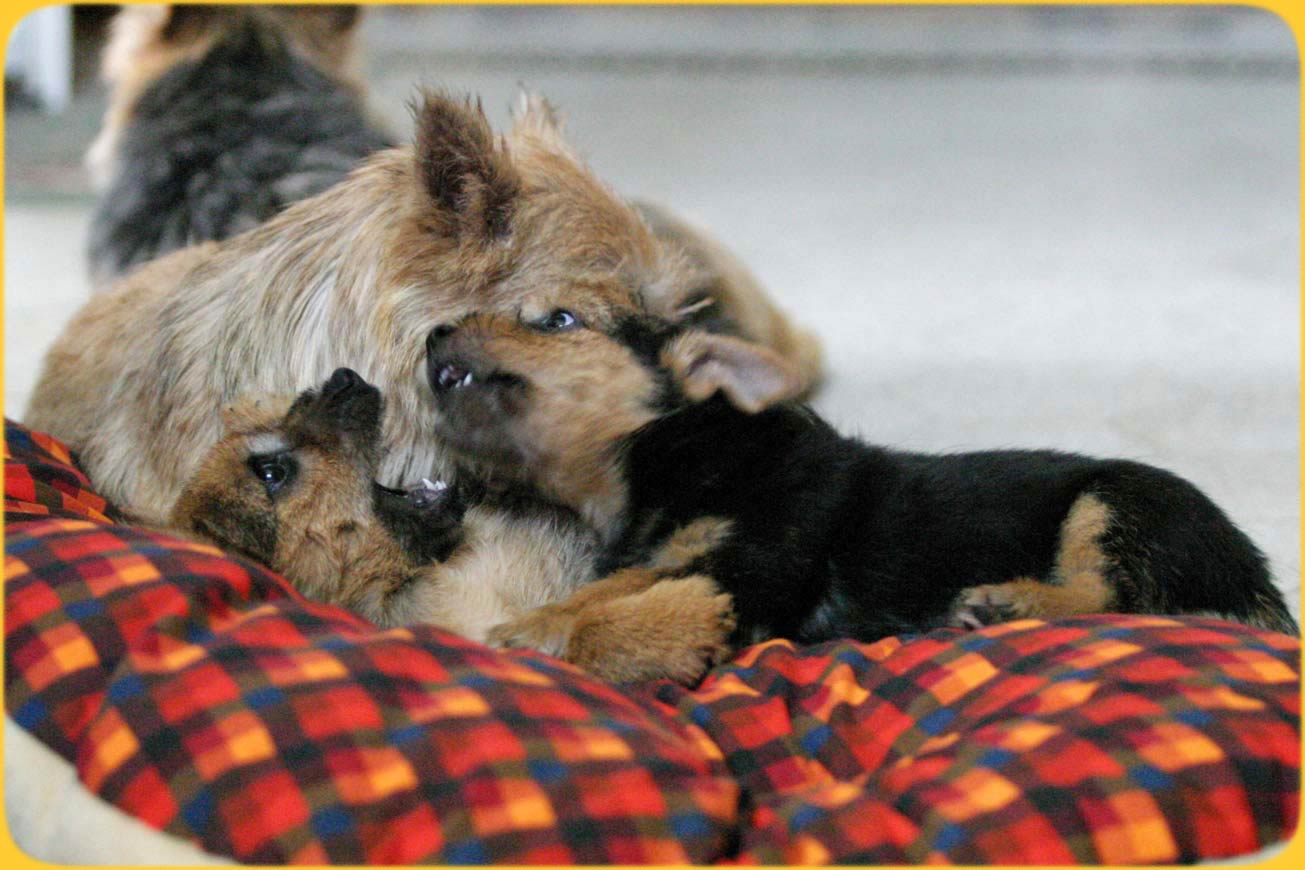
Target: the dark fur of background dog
pixel 219 118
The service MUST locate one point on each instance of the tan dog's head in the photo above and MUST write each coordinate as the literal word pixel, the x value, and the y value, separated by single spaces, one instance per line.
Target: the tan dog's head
pixel 295 489
pixel 466 221
pixel 548 397
pixel 147 40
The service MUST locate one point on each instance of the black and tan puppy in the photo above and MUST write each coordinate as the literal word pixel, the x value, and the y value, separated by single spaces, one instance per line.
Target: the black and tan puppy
pixel 675 442
pixel 295 488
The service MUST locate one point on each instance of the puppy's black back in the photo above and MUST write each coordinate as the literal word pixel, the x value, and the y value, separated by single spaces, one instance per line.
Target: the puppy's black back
pixel 220 144
pixel 835 538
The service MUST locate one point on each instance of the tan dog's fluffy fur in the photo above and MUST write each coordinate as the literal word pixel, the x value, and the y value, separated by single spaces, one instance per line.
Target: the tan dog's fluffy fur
pixel 356 276
pixel 321 528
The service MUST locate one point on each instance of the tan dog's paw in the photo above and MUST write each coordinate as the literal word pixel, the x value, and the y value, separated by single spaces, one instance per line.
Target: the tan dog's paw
pixel 988 605
pixel 675 630
pixel 547 629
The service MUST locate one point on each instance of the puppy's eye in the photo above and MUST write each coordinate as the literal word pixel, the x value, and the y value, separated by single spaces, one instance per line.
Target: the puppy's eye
pixel 273 470
pixel 558 320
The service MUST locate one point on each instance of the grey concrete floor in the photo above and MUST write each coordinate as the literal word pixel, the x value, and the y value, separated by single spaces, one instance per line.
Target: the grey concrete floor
pixel 1038 227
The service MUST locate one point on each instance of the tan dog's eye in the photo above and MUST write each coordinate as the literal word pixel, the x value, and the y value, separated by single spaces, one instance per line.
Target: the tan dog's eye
pixel 273 470
pixel 558 320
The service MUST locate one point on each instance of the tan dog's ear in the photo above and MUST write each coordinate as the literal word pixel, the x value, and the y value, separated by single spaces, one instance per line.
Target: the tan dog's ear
pixel 534 113
pixel 537 121
pixel 751 376
pixel 468 176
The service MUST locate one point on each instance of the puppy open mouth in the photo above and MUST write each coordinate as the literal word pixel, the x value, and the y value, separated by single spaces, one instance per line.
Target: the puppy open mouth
pixel 451 376
pixel 426 495
pixel 476 408
pixel 424 518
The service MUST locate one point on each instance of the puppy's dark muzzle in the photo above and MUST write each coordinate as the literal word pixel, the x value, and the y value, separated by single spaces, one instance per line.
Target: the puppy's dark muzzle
pixel 345 382
pixel 348 400
pixel 346 405
pixel 454 366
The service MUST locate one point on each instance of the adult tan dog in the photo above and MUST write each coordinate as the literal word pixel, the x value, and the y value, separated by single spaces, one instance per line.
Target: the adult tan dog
pixel 461 221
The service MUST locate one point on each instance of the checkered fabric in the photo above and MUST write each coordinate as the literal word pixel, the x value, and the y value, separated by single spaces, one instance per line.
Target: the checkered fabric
pixel 203 695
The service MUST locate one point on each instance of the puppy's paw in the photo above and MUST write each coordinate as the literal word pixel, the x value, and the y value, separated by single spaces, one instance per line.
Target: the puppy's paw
pixel 675 630
pixel 545 629
pixel 988 605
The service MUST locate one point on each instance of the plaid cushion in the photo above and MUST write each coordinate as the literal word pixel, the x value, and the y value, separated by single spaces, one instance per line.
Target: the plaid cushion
pixel 200 693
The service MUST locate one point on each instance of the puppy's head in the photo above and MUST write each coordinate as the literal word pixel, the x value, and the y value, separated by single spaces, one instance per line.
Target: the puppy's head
pixel 548 397
pixel 292 484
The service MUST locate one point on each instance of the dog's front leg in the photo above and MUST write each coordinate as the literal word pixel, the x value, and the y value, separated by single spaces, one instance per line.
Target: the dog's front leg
pixel 634 625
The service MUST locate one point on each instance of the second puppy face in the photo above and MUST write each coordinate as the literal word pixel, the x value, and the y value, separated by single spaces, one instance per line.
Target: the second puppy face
pixel 547 399
pixel 293 485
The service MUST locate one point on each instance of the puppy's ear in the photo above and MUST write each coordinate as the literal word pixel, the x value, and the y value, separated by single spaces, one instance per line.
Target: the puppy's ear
pixel 751 376
pixel 468 176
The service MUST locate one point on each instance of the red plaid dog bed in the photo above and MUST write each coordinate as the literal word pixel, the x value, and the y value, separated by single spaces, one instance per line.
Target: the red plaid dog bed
pixel 201 694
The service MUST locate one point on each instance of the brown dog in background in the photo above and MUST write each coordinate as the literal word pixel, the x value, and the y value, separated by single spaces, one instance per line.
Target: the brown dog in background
pixel 462 220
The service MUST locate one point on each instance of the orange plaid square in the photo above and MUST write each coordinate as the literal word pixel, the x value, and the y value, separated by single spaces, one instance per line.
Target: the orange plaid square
pixel 288 668
pixel 1138 833
pixel 127 569
pixel 509 804
pixel 962 676
pixel 237 740
pixel 67 650
pixel 1173 746
pixel 587 743
pixel 980 791
pixel 370 773
pixel 112 743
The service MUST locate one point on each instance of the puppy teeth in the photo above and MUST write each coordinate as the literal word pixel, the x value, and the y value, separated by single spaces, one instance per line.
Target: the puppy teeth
pixel 437 486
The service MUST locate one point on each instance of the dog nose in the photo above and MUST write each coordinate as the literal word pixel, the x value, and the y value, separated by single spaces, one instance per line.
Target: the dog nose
pixel 342 380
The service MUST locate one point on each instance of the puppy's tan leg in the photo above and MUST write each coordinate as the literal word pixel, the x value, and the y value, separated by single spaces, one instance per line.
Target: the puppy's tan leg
pixel 690 543
pixel 1085 592
pixel 549 628
pixel 675 629
pixel 1078 586
pixel 632 625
